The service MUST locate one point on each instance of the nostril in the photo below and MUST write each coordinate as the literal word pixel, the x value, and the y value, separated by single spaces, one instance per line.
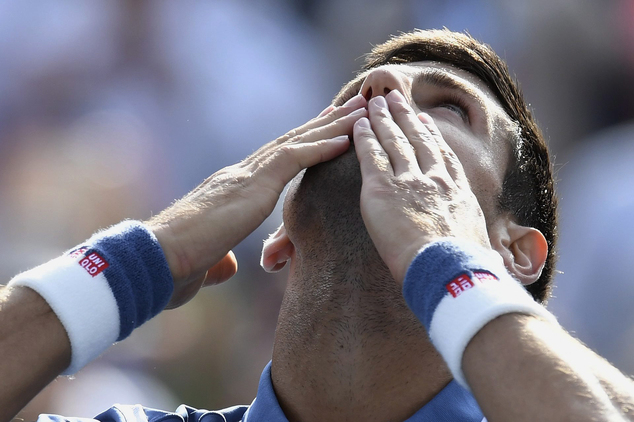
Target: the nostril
pixel 386 91
pixel 368 94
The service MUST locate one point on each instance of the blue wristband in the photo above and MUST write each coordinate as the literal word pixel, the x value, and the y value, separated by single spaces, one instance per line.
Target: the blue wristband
pixel 455 288
pixel 138 274
pixel 102 290
pixel 437 264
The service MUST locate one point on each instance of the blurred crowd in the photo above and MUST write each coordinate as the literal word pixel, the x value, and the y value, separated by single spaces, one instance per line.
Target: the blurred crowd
pixel 113 109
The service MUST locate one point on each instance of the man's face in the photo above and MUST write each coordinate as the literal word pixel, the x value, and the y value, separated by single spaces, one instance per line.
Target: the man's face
pixel 467 114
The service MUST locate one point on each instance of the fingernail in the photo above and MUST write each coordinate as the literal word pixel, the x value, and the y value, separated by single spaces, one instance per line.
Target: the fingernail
pixel 341 138
pixel 358 112
pixel 363 122
pixel 395 96
pixel 425 118
pixel 356 101
pixel 326 110
pixel 380 102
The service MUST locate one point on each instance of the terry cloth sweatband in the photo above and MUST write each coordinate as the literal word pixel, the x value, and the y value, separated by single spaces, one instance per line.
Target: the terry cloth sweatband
pixel 103 289
pixel 455 288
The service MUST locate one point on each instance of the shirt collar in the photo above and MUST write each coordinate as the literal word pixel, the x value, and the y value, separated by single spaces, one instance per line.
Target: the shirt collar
pixel 453 403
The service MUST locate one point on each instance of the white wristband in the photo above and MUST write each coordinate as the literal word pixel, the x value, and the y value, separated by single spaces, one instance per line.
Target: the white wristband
pixel 104 289
pixel 458 319
pixel 85 305
pixel 455 288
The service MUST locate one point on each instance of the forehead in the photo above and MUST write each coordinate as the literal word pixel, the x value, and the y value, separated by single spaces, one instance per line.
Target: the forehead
pixel 459 76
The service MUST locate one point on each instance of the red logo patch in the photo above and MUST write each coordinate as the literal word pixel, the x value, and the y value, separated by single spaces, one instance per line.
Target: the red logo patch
pixel 93 263
pixel 463 282
pixel 460 284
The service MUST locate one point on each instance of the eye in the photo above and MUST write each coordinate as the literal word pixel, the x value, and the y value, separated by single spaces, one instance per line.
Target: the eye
pixel 453 107
pixel 457 105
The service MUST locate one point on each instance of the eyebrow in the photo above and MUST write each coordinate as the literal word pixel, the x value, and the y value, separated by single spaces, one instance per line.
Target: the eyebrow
pixel 442 79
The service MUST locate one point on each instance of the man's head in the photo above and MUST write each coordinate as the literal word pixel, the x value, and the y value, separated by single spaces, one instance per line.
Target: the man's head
pixel 480 111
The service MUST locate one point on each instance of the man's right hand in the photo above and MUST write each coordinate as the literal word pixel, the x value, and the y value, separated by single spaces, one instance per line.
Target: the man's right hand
pixel 198 231
pixel 414 187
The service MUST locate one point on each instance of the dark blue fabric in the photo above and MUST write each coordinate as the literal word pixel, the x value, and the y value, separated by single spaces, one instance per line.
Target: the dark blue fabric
pixel 451 404
pixel 265 407
pixel 138 273
pixel 423 288
pixel 437 265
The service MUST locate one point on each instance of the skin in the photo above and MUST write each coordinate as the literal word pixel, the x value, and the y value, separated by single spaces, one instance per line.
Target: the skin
pixel 196 234
pixel 402 371
pixel 519 367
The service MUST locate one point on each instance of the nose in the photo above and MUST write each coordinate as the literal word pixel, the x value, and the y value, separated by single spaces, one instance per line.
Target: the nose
pixel 381 81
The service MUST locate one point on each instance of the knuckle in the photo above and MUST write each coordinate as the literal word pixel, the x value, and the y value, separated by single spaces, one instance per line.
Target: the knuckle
pixel 401 140
pixel 442 183
pixel 364 132
pixel 285 151
pixel 378 153
pixel 435 132
pixel 422 138
pixel 384 113
pixel 453 160
pixel 400 108
pixel 242 178
pixel 338 116
pixel 338 112
pixel 425 185
pixel 293 133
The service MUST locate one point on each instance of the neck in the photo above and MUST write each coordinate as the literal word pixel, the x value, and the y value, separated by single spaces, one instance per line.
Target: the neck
pixel 351 350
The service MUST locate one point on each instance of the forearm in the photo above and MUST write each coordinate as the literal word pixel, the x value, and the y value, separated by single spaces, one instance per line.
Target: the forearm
pixel 519 363
pixel 33 345
pixel 522 368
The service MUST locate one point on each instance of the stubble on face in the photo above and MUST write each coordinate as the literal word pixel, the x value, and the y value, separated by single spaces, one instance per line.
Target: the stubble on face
pixel 340 295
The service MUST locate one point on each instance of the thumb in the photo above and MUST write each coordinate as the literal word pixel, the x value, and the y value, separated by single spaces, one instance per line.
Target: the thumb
pixel 222 271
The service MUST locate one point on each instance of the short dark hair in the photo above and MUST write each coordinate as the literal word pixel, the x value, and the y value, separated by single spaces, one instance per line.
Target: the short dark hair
pixel 528 188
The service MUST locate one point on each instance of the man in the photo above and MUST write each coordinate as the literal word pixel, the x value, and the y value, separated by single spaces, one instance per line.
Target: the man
pixel 422 231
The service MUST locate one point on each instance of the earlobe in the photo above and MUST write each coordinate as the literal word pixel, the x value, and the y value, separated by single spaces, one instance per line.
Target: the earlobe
pixel 277 250
pixel 524 250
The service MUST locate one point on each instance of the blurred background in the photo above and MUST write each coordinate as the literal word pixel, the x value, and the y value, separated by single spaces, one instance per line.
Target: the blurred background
pixel 112 109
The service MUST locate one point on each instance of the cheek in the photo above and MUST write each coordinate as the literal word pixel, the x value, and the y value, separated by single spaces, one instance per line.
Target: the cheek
pixel 480 166
pixel 474 155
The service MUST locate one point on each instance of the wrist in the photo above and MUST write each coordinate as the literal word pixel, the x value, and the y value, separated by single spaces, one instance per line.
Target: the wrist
pixel 104 288
pixel 175 257
pixel 455 288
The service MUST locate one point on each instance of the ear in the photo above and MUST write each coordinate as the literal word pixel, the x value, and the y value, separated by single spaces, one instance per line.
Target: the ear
pixel 524 250
pixel 277 250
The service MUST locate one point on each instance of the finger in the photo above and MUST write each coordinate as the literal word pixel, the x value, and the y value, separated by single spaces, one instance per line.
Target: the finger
pixel 338 127
pixel 355 103
pixel 222 271
pixel 278 162
pixel 373 160
pixel 392 139
pixel 425 146
pixel 186 291
pixel 288 160
pixel 332 113
pixel 450 159
pixel 326 110
pixel 341 126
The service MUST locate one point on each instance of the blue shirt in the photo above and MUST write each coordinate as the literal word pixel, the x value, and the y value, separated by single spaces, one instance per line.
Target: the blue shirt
pixel 452 404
